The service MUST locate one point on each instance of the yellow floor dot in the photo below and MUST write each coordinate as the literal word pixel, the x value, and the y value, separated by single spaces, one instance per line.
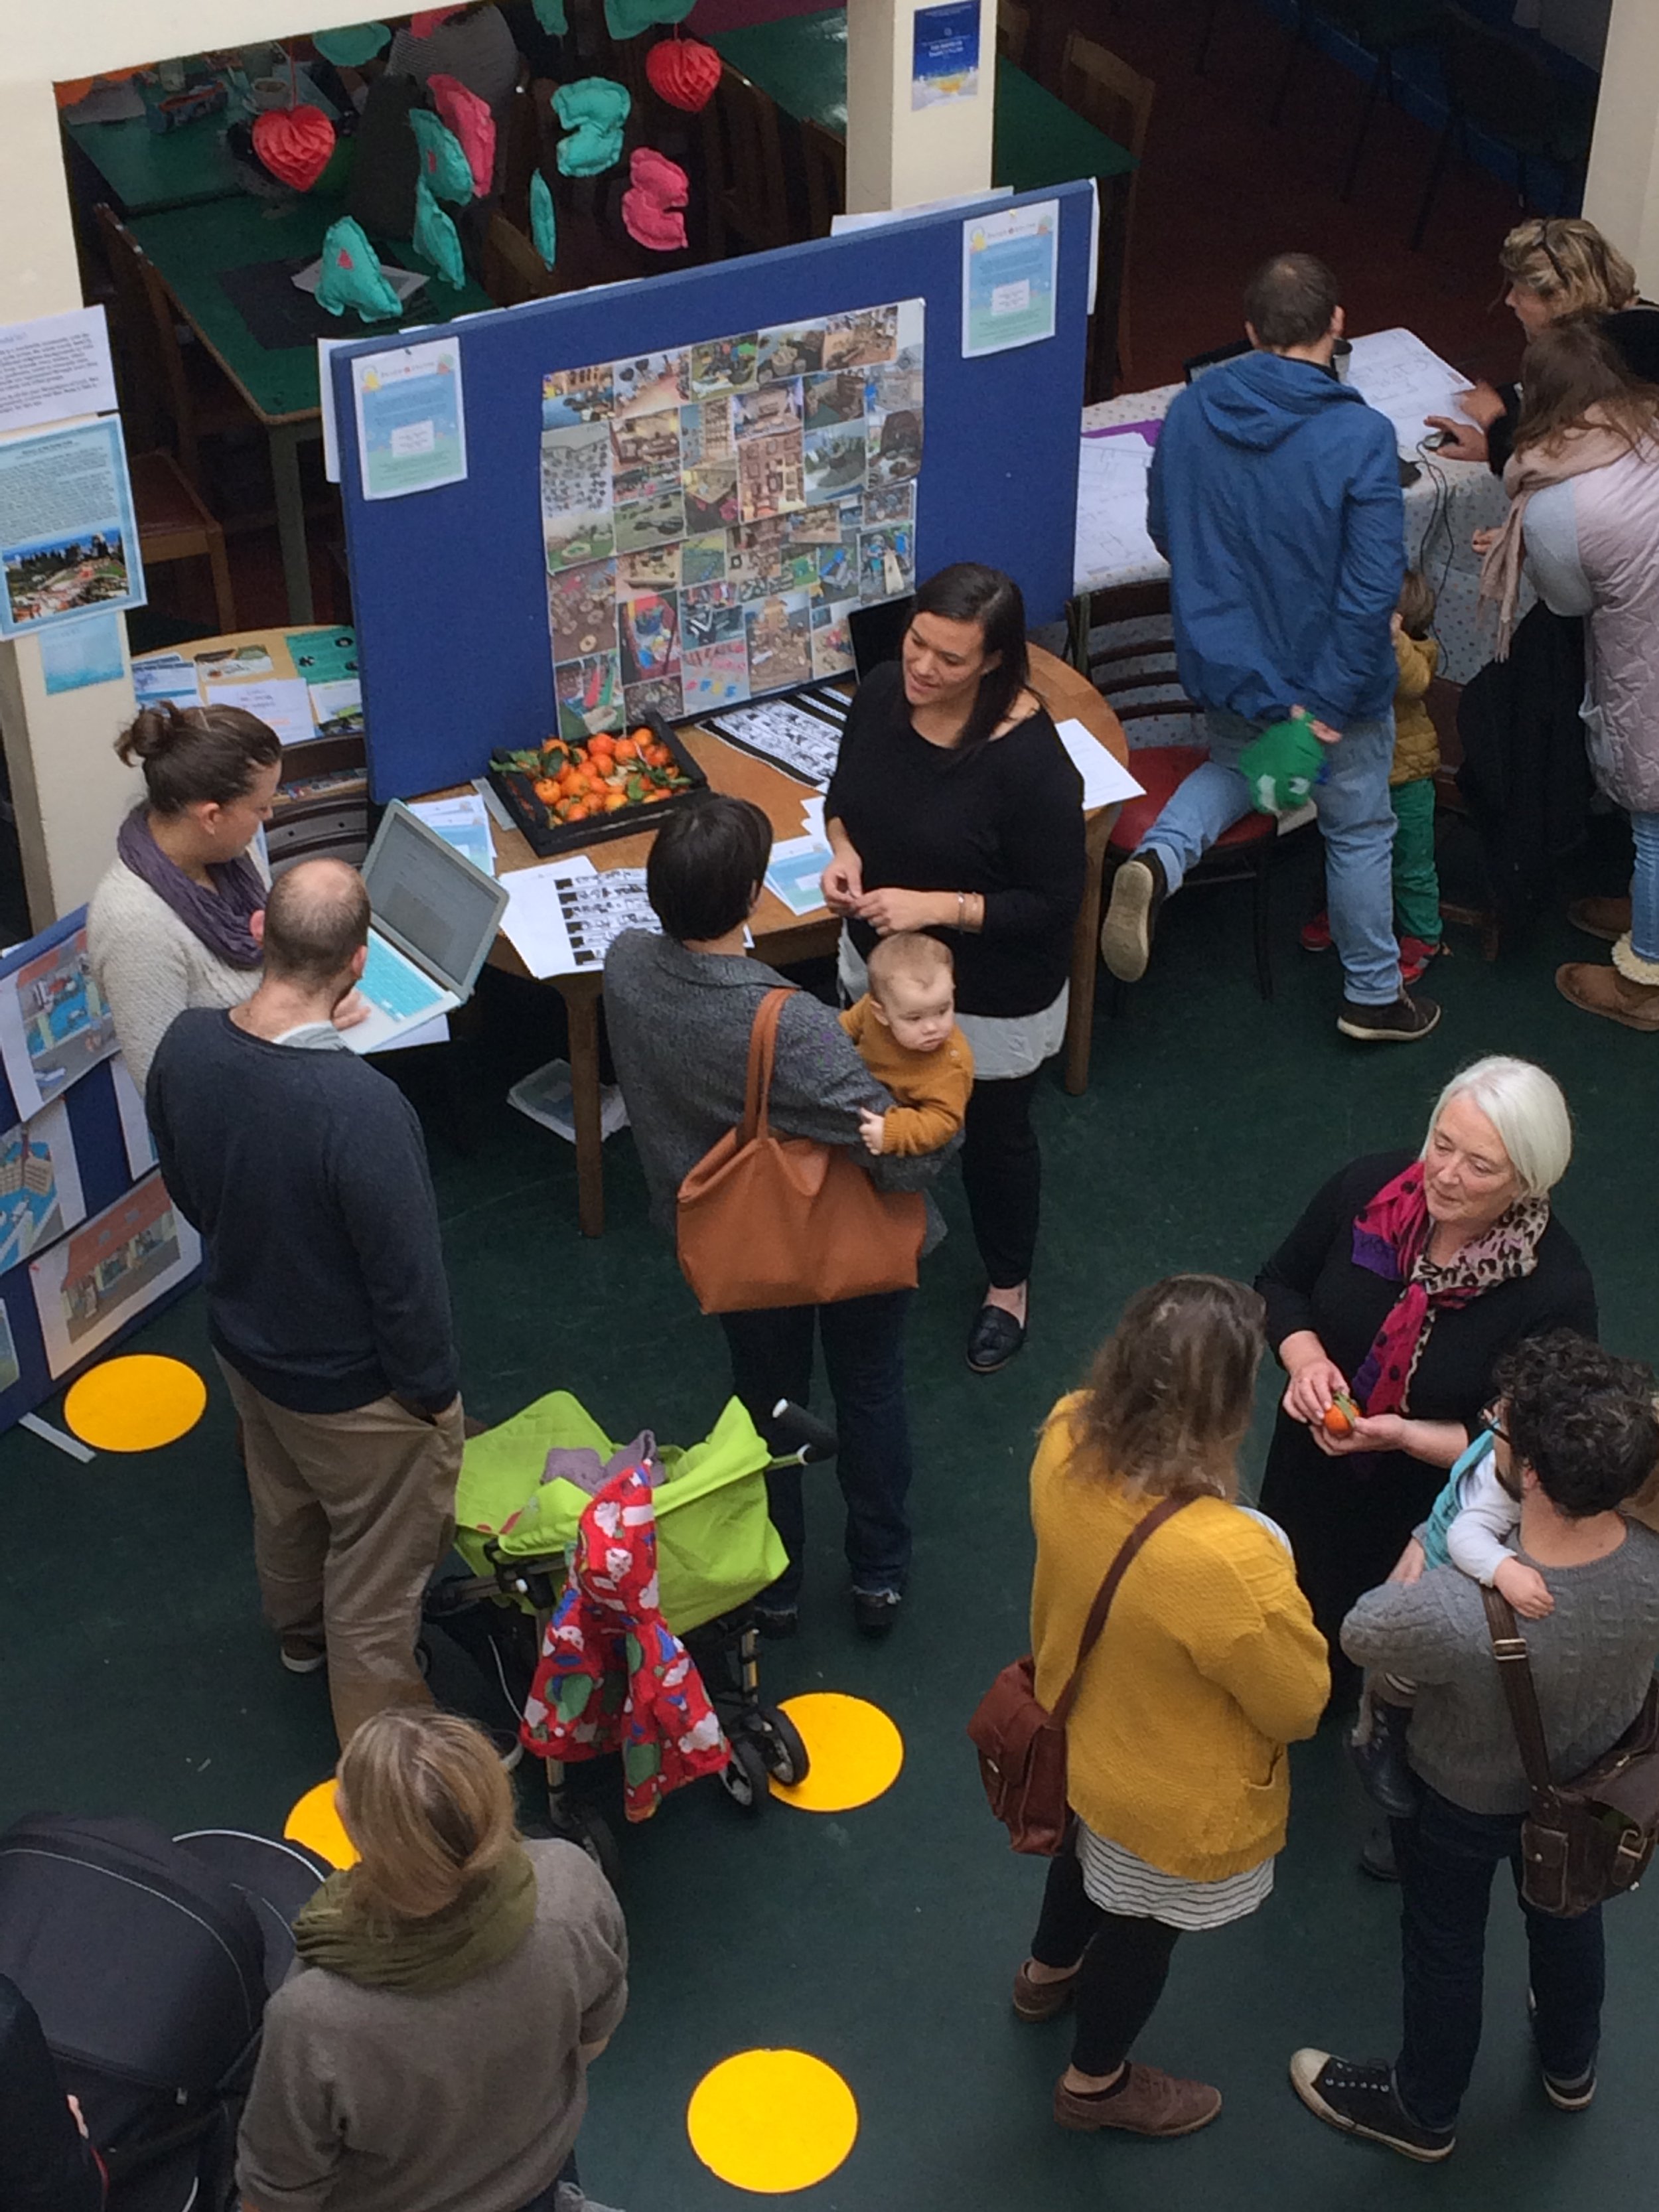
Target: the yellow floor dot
pixel 772 2121
pixel 136 1403
pixel 856 1751
pixel 315 1822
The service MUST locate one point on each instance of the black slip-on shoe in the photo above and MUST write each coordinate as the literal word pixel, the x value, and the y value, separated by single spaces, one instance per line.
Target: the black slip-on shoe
pixel 993 1339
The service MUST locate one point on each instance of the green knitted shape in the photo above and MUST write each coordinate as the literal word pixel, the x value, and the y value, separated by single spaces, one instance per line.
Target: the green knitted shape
pixel 544 224
pixel 353 45
pixel 593 110
pixel 626 19
pixel 1281 765
pixel 445 169
pixel 352 275
pixel 436 237
pixel 550 14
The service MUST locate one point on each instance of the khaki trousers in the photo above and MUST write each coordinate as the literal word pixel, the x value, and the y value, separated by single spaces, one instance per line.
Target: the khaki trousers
pixel 352 1512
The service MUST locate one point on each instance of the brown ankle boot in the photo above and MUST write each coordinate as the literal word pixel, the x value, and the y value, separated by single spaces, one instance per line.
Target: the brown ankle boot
pixel 1150 2103
pixel 1606 918
pixel 1604 991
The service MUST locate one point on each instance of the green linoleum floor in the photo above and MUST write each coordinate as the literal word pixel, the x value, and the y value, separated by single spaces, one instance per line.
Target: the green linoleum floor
pixel 137 1676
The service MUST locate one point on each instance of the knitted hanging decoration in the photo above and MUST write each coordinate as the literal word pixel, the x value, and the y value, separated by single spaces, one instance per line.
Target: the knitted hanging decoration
pixel 445 169
pixel 470 119
pixel 352 45
pixel 425 20
pixel 653 208
pixel 352 276
pixel 593 110
pixel 296 144
pixel 550 14
pixel 543 225
pixel 626 19
pixel 436 237
pixel 683 72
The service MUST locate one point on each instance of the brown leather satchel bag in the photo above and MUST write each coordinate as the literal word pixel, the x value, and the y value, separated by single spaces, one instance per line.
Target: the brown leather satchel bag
pixel 1022 1747
pixel 781 1221
pixel 1588 1840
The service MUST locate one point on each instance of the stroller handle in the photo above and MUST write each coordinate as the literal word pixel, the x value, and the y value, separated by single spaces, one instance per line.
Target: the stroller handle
pixel 796 1438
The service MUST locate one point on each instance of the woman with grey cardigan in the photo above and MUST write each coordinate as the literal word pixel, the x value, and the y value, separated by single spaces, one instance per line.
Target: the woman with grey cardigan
pixel 678 1010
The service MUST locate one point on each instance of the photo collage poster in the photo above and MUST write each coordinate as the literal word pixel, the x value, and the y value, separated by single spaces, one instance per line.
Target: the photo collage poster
pixel 713 514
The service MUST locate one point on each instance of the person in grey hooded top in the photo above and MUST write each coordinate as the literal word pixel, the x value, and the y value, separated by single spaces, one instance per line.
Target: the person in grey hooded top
pixel 1274 495
pixel 678 1012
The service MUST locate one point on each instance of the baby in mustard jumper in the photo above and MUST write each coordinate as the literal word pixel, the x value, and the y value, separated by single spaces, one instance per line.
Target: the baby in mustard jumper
pixel 905 1029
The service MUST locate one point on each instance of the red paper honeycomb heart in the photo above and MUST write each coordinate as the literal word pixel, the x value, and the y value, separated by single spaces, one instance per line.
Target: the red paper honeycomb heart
pixel 683 72
pixel 294 144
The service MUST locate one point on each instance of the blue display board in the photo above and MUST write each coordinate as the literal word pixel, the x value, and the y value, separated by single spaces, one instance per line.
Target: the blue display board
pixel 449 587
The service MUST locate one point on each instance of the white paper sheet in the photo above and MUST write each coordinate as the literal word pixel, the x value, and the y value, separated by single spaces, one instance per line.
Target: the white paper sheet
pixel 41 1194
pixel 436 1031
pixel 793 872
pixel 1105 780
pixel 135 1125
pixel 534 923
pixel 99 1277
pixel 1111 511
pixel 54 1025
pixel 283 704
pixel 107 103
pixel 1395 373
pixel 462 823
pixel 405 283
pixel 54 366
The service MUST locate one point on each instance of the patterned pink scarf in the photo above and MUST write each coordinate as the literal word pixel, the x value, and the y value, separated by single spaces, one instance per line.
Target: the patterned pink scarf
pixel 1391 1238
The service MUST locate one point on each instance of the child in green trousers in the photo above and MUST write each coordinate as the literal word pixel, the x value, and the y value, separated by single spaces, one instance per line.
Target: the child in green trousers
pixel 1411 789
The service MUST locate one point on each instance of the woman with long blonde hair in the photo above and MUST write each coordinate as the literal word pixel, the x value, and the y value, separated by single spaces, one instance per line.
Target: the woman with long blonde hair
pixel 1209 1664
pixel 456 1983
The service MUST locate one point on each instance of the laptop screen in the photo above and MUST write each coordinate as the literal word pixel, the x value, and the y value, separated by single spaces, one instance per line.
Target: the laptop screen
pixel 429 899
pixel 878 632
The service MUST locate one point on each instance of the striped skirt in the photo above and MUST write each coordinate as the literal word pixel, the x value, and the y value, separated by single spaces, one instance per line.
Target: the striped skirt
pixel 1118 1881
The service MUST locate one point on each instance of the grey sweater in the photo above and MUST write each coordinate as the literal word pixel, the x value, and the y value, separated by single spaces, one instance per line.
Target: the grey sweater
pixel 456 2101
pixel 678 1024
pixel 1591 1660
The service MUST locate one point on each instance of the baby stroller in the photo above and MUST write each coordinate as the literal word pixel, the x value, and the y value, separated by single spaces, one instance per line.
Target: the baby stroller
pixel 716 1551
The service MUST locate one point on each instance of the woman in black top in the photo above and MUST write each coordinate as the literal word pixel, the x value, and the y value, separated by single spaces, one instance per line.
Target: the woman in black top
pixel 1401 1286
pixel 954 809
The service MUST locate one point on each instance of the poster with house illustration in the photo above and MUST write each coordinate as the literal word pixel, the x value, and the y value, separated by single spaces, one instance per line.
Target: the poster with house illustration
pixel 713 514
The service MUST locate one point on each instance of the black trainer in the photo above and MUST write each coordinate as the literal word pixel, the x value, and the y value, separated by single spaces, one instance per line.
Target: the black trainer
pixel 1571 2096
pixel 1139 888
pixel 1361 2100
pixel 1380 1761
pixel 1401 1022
pixel 876 1612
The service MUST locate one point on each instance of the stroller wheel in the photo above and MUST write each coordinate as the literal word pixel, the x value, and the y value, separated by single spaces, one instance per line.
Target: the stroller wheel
pixel 744 1775
pixel 786 1758
pixel 574 1823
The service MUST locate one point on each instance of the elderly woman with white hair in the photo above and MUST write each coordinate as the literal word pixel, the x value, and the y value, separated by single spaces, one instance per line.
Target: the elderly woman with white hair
pixel 1399 1289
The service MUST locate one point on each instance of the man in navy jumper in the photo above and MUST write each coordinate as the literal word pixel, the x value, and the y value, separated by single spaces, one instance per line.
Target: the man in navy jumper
pixel 305 1170
pixel 1274 495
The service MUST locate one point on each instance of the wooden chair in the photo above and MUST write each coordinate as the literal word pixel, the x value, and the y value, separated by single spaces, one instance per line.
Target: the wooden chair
pixel 1137 678
pixel 1118 101
pixel 168 387
pixel 823 166
pixel 1013 32
pixel 513 269
pixel 745 190
pixel 173 525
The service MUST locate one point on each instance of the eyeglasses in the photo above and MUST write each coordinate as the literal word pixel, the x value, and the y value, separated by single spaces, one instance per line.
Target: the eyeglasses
pixel 1548 252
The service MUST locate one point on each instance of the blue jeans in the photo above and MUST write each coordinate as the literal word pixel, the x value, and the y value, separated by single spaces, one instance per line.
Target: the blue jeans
pixel 863 1343
pixel 1355 820
pixel 1644 890
pixel 1447 1857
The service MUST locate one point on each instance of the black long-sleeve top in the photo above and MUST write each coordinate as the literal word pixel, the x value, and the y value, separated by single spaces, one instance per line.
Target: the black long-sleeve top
pixel 45 2163
pixel 1005 821
pixel 305 1173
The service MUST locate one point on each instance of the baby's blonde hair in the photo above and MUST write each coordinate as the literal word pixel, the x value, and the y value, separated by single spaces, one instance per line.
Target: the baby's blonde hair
pixel 910 953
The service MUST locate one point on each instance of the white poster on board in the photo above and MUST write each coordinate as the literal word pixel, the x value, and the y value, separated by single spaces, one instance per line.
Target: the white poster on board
pixel 54 366
pixel 54 1025
pixel 100 1277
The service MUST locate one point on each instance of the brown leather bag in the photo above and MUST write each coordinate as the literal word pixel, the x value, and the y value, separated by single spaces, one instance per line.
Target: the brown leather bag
pixel 781 1221
pixel 1588 1840
pixel 1022 1747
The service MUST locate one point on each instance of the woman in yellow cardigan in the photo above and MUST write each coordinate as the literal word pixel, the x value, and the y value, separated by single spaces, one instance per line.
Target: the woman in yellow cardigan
pixel 1208 1665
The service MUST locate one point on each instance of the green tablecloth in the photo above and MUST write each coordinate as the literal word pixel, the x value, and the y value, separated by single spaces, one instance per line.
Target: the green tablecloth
pixel 149 170
pixel 801 64
pixel 191 245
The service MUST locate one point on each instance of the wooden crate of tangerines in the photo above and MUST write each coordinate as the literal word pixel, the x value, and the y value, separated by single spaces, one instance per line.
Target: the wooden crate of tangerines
pixel 571 792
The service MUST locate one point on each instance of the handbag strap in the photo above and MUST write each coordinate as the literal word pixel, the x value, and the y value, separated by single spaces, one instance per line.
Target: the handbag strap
pixel 1165 1509
pixel 762 1052
pixel 1521 1693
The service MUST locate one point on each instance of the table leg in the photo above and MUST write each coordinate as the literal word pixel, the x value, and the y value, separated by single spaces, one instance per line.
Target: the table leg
pixel 1080 1009
pixel 581 1002
pixel 291 516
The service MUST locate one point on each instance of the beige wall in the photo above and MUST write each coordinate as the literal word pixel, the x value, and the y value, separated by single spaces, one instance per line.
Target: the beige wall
pixel 897 157
pixel 69 790
pixel 1622 194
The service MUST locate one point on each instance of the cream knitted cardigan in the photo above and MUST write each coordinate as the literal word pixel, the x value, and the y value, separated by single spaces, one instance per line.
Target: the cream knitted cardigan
pixel 150 967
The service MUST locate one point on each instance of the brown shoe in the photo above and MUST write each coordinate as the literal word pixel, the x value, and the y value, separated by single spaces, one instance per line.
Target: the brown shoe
pixel 1604 991
pixel 1036 2001
pixel 1150 2103
pixel 1606 918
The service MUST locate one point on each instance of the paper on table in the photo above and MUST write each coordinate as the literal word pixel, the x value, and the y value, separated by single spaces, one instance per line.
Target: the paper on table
pixel 1395 373
pixel 534 923
pixel 1105 778
pixel 1111 510
pixel 462 823
pixel 107 103
pixel 283 704
pixel 436 1031
pixel 405 283
pixel 792 873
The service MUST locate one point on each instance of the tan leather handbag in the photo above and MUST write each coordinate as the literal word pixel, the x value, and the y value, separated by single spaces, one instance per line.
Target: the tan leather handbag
pixel 781 1221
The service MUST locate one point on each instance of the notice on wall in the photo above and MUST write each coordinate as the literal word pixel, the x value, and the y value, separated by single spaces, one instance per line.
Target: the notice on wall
pixel 54 1025
pixel 90 651
pixel 93 1282
pixel 68 541
pixel 1009 262
pixel 945 55
pixel 54 367
pixel 411 418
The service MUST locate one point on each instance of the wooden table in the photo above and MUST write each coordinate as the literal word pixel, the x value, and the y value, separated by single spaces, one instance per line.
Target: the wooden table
pixel 782 938
pixel 191 247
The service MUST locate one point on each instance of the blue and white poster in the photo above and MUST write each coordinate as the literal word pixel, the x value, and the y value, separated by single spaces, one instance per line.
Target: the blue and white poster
pixel 411 419
pixel 1009 264
pixel 946 56
pixel 68 542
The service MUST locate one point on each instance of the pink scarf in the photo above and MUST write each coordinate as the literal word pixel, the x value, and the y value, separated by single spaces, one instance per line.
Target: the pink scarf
pixel 1593 444
pixel 1391 1239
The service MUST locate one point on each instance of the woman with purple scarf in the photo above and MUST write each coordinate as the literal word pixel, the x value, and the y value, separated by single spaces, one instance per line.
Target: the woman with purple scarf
pixel 171 924
pixel 1401 1287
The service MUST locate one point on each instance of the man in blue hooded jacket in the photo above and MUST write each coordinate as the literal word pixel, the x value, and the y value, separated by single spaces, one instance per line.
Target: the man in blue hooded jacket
pixel 1274 495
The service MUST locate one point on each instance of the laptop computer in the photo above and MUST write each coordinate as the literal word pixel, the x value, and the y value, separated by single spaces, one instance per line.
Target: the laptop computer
pixel 876 632
pixel 435 918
